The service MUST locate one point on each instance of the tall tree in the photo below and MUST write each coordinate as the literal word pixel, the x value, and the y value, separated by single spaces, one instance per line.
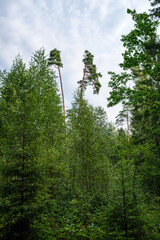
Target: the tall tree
pixel 55 60
pixel 141 60
pixel 90 75
pixel 24 134
pixel 124 116
pixel 124 209
pixel 88 153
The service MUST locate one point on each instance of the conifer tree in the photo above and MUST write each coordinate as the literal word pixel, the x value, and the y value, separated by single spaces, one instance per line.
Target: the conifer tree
pixel 90 75
pixel 55 60
pixel 28 104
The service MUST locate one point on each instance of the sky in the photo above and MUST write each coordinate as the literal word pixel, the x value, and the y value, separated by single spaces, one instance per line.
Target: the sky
pixel 71 26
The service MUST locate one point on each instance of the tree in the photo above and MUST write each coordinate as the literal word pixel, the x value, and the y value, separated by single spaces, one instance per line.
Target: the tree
pixel 90 147
pixel 90 75
pixel 55 60
pixel 141 65
pixel 123 116
pixel 26 96
pixel 155 12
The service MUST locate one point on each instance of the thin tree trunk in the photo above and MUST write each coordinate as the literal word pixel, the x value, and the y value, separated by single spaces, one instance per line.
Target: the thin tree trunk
pixel 124 205
pixel 127 126
pixel 134 180
pixel 64 112
pixel 84 73
pixel 23 157
pixel 125 214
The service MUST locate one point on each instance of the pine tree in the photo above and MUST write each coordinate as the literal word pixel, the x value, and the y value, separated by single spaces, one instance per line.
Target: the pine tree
pixel 55 60
pixel 90 76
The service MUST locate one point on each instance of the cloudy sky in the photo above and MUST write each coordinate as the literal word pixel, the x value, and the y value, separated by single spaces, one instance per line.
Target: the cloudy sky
pixel 72 26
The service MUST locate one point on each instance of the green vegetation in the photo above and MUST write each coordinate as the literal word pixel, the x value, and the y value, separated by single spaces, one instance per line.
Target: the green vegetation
pixel 82 178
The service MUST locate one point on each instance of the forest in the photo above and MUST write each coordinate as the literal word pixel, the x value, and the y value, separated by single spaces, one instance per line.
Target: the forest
pixel 71 174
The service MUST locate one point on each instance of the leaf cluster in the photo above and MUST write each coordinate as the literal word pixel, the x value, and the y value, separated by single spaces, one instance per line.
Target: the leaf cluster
pixel 91 76
pixel 55 58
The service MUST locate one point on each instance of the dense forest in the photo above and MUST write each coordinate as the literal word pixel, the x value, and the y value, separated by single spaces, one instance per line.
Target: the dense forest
pixel 71 174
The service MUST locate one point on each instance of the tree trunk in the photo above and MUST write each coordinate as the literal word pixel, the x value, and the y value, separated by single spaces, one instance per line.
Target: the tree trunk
pixel 127 126
pixel 64 112
pixel 84 73
pixel 124 205
pixel 23 157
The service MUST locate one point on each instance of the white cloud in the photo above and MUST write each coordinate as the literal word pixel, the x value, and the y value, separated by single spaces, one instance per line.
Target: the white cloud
pixel 71 26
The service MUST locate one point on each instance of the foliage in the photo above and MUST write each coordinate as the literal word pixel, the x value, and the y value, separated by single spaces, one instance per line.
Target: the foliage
pixel 83 178
pixel 25 127
pixel 155 11
pixel 90 75
pixel 138 87
pixel 55 58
